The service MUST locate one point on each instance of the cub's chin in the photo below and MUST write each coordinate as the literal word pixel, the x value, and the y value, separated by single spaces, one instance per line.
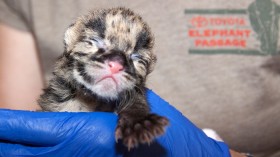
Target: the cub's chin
pixel 108 88
pixel 105 85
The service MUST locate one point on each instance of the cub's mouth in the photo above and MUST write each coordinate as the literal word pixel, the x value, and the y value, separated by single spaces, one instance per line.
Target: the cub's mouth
pixel 108 79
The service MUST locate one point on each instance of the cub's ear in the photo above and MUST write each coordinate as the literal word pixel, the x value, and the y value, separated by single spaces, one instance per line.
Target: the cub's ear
pixel 72 35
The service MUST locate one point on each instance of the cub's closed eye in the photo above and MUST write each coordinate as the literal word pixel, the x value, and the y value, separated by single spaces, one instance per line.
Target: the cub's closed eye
pixel 93 39
pixel 135 56
pixel 89 42
pixel 81 54
pixel 98 42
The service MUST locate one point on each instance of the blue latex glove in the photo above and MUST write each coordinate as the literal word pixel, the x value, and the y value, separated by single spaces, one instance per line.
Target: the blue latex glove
pixel 43 134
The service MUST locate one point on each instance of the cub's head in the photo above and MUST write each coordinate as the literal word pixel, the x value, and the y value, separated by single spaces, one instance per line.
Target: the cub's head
pixel 110 51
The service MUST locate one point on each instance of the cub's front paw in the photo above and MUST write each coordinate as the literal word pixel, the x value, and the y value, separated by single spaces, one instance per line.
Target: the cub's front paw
pixel 143 130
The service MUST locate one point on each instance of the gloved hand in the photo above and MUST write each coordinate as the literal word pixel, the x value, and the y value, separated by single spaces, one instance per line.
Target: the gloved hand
pixel 43 134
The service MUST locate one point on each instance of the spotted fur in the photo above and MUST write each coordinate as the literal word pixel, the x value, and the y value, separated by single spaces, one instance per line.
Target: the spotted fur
pixel 80 80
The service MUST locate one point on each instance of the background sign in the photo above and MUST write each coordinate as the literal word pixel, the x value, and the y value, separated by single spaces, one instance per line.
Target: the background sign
pixel 254 30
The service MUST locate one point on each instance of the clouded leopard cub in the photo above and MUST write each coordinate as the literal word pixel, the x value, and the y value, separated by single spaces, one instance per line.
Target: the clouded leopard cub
pixel 108 55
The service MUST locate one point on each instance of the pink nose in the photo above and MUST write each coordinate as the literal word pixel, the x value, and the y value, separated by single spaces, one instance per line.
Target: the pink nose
pixel 115 66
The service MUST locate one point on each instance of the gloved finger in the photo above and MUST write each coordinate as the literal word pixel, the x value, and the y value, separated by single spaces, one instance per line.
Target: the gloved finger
pixel 49 128
pixel 161 107
pixel 12 150
pixel 36 128
pixel 183 132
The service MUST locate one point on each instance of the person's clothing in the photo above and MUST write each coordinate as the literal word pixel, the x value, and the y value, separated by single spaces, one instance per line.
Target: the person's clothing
pixel 236 95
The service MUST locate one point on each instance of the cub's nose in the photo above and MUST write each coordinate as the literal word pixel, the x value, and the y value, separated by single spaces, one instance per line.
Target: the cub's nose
pixel 115 66
pixel 116 61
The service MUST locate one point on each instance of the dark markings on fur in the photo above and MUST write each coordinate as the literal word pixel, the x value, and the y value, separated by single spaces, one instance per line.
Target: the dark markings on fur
pixel 114 12
pixel 144 62
pixel 68 63
pixel 96 59
pixel 143 41
pixel 49 94
pixel 83 73
pixel 129 78
pixel 127 13
pixel 113 39
pixel 72 24
pixel 63 82
pixel 131 72
pixel 97 25
pixel 56 97
pixel 80 54
pixel 128 45
pixel 113 24
pixel 141 79
pixel 96 65
pixel 82 38
pixel 134 19
pixel 143 68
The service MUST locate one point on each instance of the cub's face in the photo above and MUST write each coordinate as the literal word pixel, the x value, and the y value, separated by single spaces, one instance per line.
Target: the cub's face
pixel 110 51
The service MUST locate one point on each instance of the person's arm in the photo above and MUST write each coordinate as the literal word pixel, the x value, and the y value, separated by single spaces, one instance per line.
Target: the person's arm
pixel 236 154
pixel 20 74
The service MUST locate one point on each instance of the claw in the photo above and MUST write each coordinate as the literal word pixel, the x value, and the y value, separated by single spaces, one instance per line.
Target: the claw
pixel 118 134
